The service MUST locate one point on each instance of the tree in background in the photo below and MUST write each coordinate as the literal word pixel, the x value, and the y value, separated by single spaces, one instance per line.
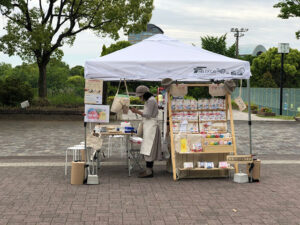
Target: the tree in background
pixel 266 69
pixel 77 70
pixel 218 45
pixel 36 31
pixel 114 47
pixel 289 8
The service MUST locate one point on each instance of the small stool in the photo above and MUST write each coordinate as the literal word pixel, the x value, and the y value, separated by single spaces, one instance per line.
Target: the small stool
pixel 134 155
pixel 75 153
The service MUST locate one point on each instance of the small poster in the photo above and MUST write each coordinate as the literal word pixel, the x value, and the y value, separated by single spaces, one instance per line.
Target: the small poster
pixel 96 113
pixel 93 92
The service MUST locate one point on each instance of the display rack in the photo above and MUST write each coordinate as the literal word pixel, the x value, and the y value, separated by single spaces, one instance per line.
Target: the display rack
pixel 211 153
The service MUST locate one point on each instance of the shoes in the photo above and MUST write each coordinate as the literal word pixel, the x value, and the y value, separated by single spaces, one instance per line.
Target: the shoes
pixel 148 173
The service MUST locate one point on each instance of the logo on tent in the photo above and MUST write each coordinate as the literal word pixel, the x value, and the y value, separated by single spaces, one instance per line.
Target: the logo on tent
pixel 204 70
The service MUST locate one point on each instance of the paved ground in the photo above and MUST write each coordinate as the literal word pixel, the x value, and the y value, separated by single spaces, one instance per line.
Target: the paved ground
pixel 43 196
pixel 51 138
pixel 34 190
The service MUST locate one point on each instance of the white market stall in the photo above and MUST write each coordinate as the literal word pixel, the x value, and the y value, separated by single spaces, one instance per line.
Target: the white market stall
pixel 160 57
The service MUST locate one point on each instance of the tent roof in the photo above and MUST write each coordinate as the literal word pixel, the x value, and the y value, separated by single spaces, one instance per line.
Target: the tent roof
pixel 161 57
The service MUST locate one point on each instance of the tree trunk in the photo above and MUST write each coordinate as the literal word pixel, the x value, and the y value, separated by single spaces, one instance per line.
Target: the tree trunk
pixel 42 80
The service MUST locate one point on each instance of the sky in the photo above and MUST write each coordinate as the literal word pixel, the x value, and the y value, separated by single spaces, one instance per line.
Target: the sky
pixel 188 20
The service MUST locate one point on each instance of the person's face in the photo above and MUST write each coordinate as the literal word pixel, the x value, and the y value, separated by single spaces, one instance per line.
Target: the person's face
pixel 141 98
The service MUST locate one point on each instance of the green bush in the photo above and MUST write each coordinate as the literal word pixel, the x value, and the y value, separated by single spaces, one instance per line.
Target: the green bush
pixel 266 109
pixel 40 102
pixel 13 91
pixel 189 97
pixel 133 100
pixel 234 105
pixel 66 100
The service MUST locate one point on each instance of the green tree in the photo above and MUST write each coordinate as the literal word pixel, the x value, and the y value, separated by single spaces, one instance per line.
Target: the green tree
pixel 58 73
pixel 77 70
pixel 114 47
pixel 27 73
pixel 218 45
pixel 5 69
pixel 266 69
pixel 36 32
pixel 13 91
pixel 289 8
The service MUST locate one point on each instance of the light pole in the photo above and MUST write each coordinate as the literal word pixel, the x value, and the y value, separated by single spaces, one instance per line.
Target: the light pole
pixel 238 32
pixel 283 48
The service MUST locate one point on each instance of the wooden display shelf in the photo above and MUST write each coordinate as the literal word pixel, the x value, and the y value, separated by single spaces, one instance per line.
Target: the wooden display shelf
pixel 218 148
pixel 205 152
pixel 197 110
pixel 204 169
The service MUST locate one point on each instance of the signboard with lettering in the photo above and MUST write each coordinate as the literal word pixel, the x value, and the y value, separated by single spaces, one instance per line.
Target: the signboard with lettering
pixel 239 159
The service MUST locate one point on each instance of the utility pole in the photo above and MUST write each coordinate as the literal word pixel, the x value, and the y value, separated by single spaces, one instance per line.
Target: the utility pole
pixel 283 48
pixel 237 34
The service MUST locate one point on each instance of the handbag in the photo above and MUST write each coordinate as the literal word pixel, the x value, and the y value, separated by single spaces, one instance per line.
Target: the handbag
pixel 217 90
pixel 139 132
pixel 121 102
pixel 178 90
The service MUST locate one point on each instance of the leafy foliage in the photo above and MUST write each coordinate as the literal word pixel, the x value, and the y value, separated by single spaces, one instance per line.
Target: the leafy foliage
pixel 289 8
pixel 36 32
pixel 114 47
pixel 77 70
pixel 218 45
pixel 13 91
pixel 266 69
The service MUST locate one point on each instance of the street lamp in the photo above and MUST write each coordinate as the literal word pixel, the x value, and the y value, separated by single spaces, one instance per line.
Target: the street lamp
pixel 238 32
pixel 283 48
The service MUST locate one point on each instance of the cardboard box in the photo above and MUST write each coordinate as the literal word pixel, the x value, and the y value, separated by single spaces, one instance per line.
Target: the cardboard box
pixel 255 171
pixel 77 172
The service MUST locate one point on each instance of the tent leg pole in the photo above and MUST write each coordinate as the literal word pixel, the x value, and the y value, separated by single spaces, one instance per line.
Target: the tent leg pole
pixel 249 115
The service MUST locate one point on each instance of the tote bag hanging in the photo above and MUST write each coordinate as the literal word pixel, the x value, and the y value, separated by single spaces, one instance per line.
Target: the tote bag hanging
pixel 121 101
pixel 217 90
pixel 239 101
pixel 178 90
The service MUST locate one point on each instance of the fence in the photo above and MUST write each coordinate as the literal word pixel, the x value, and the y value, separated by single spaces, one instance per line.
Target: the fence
pixel 270 97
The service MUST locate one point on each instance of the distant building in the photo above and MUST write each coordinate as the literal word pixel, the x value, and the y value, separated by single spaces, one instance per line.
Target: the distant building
pixel 151 30
pixel 258 50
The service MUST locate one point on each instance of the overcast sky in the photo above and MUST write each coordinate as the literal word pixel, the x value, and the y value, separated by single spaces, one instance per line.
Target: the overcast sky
pixel 188 20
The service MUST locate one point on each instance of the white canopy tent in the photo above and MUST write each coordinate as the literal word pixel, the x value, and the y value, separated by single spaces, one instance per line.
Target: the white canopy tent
pixel 160 57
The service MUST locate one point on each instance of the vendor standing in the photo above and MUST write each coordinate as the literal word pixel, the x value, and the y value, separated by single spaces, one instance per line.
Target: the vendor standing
pixel 151 146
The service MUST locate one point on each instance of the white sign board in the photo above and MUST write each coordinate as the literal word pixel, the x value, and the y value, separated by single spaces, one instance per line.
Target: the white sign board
pixel 283 48
pixel 96 113
pixel 93 92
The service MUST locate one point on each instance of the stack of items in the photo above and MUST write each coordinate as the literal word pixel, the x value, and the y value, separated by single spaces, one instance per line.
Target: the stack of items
pixel 213 104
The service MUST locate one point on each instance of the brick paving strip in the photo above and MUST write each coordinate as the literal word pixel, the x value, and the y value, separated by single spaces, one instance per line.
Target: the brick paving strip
pixel 51 164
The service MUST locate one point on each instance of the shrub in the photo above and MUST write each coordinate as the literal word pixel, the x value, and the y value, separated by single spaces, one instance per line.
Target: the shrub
pixel 133 100
pixel 266 109
pixel 41 102
pixel 66 100
pixel 13 91
pixel 234 105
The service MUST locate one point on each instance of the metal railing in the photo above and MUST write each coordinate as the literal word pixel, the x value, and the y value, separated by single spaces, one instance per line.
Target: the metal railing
pixel 270 97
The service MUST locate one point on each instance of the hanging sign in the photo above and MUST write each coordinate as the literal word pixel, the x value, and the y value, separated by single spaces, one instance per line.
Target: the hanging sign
pixel 96 113
pixel 93 92
pixel 239 159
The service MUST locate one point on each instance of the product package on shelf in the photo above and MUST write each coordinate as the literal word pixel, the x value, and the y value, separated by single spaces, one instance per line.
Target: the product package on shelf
pixel 213 104
pixel 224 165
pixel 206 127
pixel 188 143
pixel 193 127
pixel 195 142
